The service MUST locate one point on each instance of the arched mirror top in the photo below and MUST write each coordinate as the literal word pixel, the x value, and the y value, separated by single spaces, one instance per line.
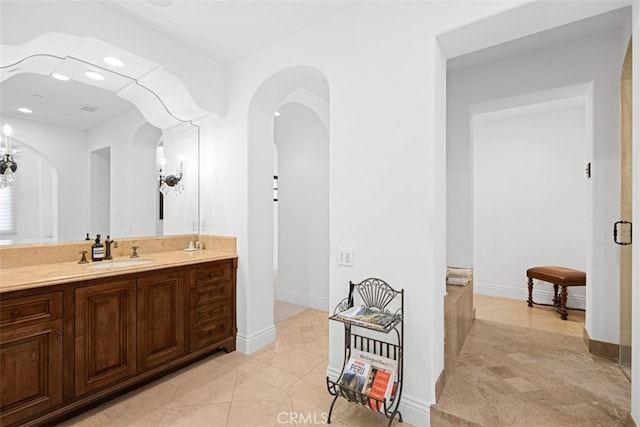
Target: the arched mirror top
pixel 166 112
pixel 161 97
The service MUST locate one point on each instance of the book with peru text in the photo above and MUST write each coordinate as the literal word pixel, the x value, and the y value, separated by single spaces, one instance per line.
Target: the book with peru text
pixel 354 379
pixel 381 378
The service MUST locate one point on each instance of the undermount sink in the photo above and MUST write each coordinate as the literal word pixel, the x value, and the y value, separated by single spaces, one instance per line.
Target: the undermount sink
pixel 120 263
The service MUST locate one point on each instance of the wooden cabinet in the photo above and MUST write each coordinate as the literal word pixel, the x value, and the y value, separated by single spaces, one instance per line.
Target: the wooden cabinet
pixel 105 334
pixel 121 332
pixel 212 305
pixel 30 355
pixel 127 326
pixel 160 304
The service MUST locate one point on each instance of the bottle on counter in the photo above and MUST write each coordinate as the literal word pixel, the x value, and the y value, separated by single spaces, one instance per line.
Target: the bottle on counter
pixel 97 250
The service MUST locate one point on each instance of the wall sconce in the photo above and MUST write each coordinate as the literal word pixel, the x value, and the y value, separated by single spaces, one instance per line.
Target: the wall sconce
pixel 169 182
pixel 8 159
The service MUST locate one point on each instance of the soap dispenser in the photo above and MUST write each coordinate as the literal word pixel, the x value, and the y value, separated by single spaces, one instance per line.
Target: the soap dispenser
pixel 97 250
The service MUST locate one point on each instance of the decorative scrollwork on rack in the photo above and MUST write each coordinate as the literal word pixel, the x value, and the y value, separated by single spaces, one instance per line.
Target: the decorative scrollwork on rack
pixel 375 293
pixel 342 306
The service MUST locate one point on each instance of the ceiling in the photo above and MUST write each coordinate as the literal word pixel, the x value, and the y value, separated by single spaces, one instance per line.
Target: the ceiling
pixel 229 30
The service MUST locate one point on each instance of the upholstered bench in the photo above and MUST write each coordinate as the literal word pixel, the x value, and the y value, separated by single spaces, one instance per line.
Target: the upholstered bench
pixel 559 276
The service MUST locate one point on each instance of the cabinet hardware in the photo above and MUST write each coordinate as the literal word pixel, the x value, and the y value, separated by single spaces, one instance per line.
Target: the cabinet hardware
pixel 615 232
pixel 15 313
pixel 57 335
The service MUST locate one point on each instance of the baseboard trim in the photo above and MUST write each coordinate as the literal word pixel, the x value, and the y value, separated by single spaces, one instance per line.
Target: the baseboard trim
pixel 440 382
pixel 600 348
pixel 300 298
pixel 248 344
pixel 522 293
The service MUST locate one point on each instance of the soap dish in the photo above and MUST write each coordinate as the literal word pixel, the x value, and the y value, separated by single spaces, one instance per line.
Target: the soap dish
pixel 190 249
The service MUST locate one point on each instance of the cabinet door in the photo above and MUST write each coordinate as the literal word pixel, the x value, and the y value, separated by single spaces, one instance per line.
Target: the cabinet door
pixel 160 318
pixel 105 340
pixel 31 366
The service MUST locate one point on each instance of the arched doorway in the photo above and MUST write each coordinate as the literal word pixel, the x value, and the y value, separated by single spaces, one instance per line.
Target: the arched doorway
pixel 302 85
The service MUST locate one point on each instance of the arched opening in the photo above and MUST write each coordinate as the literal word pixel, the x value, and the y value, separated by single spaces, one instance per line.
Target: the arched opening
pixel 301 211
pixel 308 86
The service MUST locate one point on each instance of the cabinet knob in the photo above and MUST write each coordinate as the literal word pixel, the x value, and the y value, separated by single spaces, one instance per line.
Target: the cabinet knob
pixel 57 335
pixel 15 313
pixel 210 275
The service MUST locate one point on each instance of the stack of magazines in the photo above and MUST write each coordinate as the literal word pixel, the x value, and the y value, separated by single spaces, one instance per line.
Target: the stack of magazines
pixel 368 379
pixel 367 317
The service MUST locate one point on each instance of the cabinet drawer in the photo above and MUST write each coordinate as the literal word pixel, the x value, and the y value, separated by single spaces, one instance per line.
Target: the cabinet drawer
pixel 207 294
pixel 212 273
pixel 211 333
pixel 208 313
pixel 31 309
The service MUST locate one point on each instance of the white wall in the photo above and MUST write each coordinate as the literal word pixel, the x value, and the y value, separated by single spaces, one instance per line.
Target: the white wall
pixel 530 197
pixel 181 211
pixel 126 209
pixel 569 66
pixel 303 207
pixel 100 194
pixel 384 180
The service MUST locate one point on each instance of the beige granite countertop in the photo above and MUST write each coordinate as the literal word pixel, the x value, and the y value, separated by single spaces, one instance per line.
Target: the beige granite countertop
pixel 32 276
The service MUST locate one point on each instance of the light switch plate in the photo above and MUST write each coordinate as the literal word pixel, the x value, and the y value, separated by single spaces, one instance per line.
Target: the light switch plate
pixel 345 256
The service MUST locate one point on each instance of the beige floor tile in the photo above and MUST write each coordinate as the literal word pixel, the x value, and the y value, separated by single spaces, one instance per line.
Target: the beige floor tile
pixel 526 373
pixel 269 411
pixel 197 416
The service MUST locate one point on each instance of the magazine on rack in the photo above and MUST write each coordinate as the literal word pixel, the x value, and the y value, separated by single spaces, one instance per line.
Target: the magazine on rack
pixel 367 317
pixel 372 375
pixel 354 378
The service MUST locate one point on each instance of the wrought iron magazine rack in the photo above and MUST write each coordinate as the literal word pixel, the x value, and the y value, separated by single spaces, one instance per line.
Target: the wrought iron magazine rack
pixel 384 340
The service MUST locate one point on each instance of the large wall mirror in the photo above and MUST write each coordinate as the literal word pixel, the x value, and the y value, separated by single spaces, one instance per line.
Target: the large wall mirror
pixel 96 156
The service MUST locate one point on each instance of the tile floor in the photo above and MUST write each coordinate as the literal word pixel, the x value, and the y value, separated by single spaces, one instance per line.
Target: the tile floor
pixel 281 384
pixel 524 366
pixel 550 380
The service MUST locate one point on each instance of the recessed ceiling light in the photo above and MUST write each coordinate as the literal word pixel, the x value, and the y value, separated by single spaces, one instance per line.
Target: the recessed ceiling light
pixel 94 75
pixel 113 61
pixel 25 110
pixel 61 77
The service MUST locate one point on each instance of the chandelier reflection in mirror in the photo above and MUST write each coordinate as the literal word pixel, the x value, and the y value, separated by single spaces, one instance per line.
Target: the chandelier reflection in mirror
pixel 170 183
pixel 8 159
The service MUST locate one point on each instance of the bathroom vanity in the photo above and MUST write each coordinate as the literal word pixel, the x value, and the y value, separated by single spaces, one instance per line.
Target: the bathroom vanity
pixel 74 335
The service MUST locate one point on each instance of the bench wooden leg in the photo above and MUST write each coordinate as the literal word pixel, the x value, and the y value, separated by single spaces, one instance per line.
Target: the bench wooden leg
pixel 556 300
pixel 563 303
pixel 530 300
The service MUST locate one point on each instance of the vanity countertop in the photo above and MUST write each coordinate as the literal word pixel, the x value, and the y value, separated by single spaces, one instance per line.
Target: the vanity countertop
pixel 19 278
